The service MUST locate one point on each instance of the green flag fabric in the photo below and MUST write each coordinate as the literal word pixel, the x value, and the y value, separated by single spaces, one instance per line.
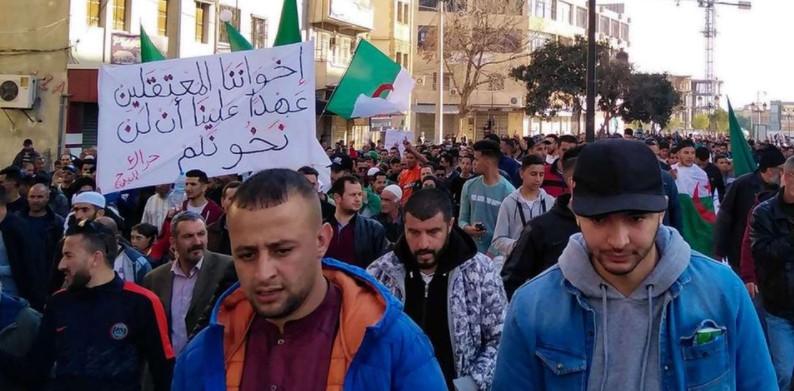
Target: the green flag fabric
pixel 149 52
pixel 743 161
pixel 289 26
pixel 236 40
pixel 372 85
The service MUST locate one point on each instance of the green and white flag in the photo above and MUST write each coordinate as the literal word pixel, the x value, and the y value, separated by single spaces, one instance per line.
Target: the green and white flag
pixel 697 207
pixel 373 85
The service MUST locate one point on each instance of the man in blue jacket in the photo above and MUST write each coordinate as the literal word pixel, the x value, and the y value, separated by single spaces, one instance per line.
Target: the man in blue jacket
pixel 630 306
pixel 296 321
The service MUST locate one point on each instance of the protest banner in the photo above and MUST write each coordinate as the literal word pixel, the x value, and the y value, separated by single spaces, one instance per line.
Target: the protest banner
pixel 396 137
pixel 222 114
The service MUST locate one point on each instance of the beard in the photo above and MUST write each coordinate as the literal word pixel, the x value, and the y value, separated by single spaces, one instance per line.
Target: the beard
pixel 635 257
pixel 80 279
pixel 290 302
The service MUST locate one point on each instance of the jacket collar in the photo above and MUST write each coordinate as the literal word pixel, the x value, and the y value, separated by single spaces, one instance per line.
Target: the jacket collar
pixel 458 250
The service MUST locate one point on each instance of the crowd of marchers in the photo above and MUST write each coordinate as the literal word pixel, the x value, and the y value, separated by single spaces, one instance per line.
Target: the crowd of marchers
pixel 505 263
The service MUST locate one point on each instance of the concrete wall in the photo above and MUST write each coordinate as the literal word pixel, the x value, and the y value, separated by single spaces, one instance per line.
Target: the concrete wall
pixel 37 31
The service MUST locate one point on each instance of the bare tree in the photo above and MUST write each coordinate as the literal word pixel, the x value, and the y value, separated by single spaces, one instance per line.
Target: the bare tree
pixel 483 40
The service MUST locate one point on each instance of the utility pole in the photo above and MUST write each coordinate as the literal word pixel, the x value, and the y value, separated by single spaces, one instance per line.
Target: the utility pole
pixel 440 83
pixel 591 72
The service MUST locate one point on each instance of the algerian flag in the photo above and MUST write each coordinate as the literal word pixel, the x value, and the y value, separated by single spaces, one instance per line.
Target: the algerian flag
pixel 743 161
pixel 288 27
pixel 236 40
pixel 288 33
pixel 373 85
pixel 149 52
pixel 697 207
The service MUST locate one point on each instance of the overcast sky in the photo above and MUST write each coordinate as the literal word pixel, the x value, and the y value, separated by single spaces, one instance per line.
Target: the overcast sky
pixel 754 49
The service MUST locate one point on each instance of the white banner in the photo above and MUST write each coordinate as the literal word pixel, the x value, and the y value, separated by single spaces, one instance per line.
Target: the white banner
pixel 395 137
pixel 222 114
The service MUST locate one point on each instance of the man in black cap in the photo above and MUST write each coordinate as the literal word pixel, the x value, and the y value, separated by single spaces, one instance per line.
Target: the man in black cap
pixel 630 306
pixel 739 201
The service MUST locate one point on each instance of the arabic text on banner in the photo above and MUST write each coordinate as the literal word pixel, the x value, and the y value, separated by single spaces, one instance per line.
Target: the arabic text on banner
pixel 222 114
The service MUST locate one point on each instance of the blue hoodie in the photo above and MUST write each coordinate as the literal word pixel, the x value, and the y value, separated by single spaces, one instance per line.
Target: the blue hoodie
pixel 394 353
pixel 558 323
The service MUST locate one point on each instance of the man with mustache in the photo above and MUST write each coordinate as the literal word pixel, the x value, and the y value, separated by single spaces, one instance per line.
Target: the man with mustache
pixel 187 284
pixel 453 292
pixel 298 321
pixel 98 332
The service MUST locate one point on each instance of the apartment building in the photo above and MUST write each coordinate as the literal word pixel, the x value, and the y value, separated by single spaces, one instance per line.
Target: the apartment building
pixel 498 105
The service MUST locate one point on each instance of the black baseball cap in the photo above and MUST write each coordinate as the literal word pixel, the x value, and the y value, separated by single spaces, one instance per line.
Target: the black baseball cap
pixel 341 162
pixel 616 175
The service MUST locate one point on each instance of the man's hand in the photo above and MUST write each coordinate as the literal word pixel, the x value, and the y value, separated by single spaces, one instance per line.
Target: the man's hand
pixel 752 289
pixel 172 212
pixel 473 231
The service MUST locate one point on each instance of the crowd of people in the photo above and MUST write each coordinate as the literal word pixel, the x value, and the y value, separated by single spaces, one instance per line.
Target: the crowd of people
pixel 509 263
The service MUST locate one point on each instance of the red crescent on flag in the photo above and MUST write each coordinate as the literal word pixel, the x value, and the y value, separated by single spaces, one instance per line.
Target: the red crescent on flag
pixel 383 88
pixel 707 215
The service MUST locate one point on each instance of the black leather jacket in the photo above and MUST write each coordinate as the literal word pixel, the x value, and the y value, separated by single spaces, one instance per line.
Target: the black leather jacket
pixel 773 252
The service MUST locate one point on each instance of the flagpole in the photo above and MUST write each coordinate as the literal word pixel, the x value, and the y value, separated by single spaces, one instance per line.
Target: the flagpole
pixel 440 109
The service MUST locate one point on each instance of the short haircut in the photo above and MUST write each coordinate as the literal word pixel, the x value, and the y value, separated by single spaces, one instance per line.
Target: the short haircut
pixel 380 173
pixel 469 158
pixel 488 148
pixel 686 144
pixel 201 175
pixel 109 223
pixel 96 237
pixel 628 132
pixel 426 203
pixel 13 173
pixel 491 137
pixel 570 157
pixel 532 160
pixel 339 186
pixel 719 156
pixel 702 153
pixel 570 139
pixel 147 230
pixel 308 170
pixel 509 141
pixel 447 157
pixel 230 185
pixel 28 142
pixel 553 136
pixel 182 217
pixel 395 161
pixel 82 182
pixel 273 187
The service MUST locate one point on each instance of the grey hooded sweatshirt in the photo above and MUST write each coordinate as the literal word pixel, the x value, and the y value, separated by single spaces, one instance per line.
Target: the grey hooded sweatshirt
pixel 626 354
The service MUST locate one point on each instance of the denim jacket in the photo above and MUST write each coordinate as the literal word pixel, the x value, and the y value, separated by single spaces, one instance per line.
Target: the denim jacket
pixel 549 335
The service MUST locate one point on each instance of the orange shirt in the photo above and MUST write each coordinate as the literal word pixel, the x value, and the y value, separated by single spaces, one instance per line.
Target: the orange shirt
pixel 407 179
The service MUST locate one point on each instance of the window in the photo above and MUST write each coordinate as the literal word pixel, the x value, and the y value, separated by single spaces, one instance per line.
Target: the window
pixel 539 40
pixel 223 35
pixel 426 37
pixel 120 14
pixel 398 58
pixel 615 29
pixel 402 12
pixel 553 12
pixel 603 25
pixel 94 12
pixel 624 31
pixel 581 17
pixel 258 32
pixel 202 15
pixel 428 4
pixel 322 47
pixel 162 17
pixel 564 12
pixel 447 81
pixel 405 60
pixel 540 8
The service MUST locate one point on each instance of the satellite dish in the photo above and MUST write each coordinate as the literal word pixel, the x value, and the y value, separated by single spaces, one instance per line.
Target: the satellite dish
pixel 226 16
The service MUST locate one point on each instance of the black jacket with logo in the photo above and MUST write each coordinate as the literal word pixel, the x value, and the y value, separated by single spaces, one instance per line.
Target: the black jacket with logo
pixel 772 241
pixel 97 339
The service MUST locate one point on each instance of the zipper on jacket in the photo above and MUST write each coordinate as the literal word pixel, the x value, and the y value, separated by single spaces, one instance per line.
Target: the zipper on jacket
pixel 424 303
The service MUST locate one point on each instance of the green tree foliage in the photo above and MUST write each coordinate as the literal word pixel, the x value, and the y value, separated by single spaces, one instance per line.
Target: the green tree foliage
pixel 650 97
pixel 718 121
pixel 700 121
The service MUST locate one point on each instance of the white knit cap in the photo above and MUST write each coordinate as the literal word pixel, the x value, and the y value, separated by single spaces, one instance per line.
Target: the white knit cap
pixel 372 171
pixel 91 198
pixel 394 189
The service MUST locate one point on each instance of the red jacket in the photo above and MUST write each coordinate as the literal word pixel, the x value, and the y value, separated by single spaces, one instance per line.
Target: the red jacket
pixel 746 261
pixel 553 182
pixel 211 213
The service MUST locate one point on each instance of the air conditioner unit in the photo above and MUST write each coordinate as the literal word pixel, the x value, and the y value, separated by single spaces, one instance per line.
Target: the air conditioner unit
pixel 17 91
pixel 516 101
pixel 453 91
pixel 420 81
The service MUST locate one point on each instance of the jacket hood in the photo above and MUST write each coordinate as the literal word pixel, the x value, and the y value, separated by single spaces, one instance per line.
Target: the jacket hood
pixel 369 290
pixel 459 249
pixel 674 255
pixel 9 309
pixel 516 196
pixel 561 205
